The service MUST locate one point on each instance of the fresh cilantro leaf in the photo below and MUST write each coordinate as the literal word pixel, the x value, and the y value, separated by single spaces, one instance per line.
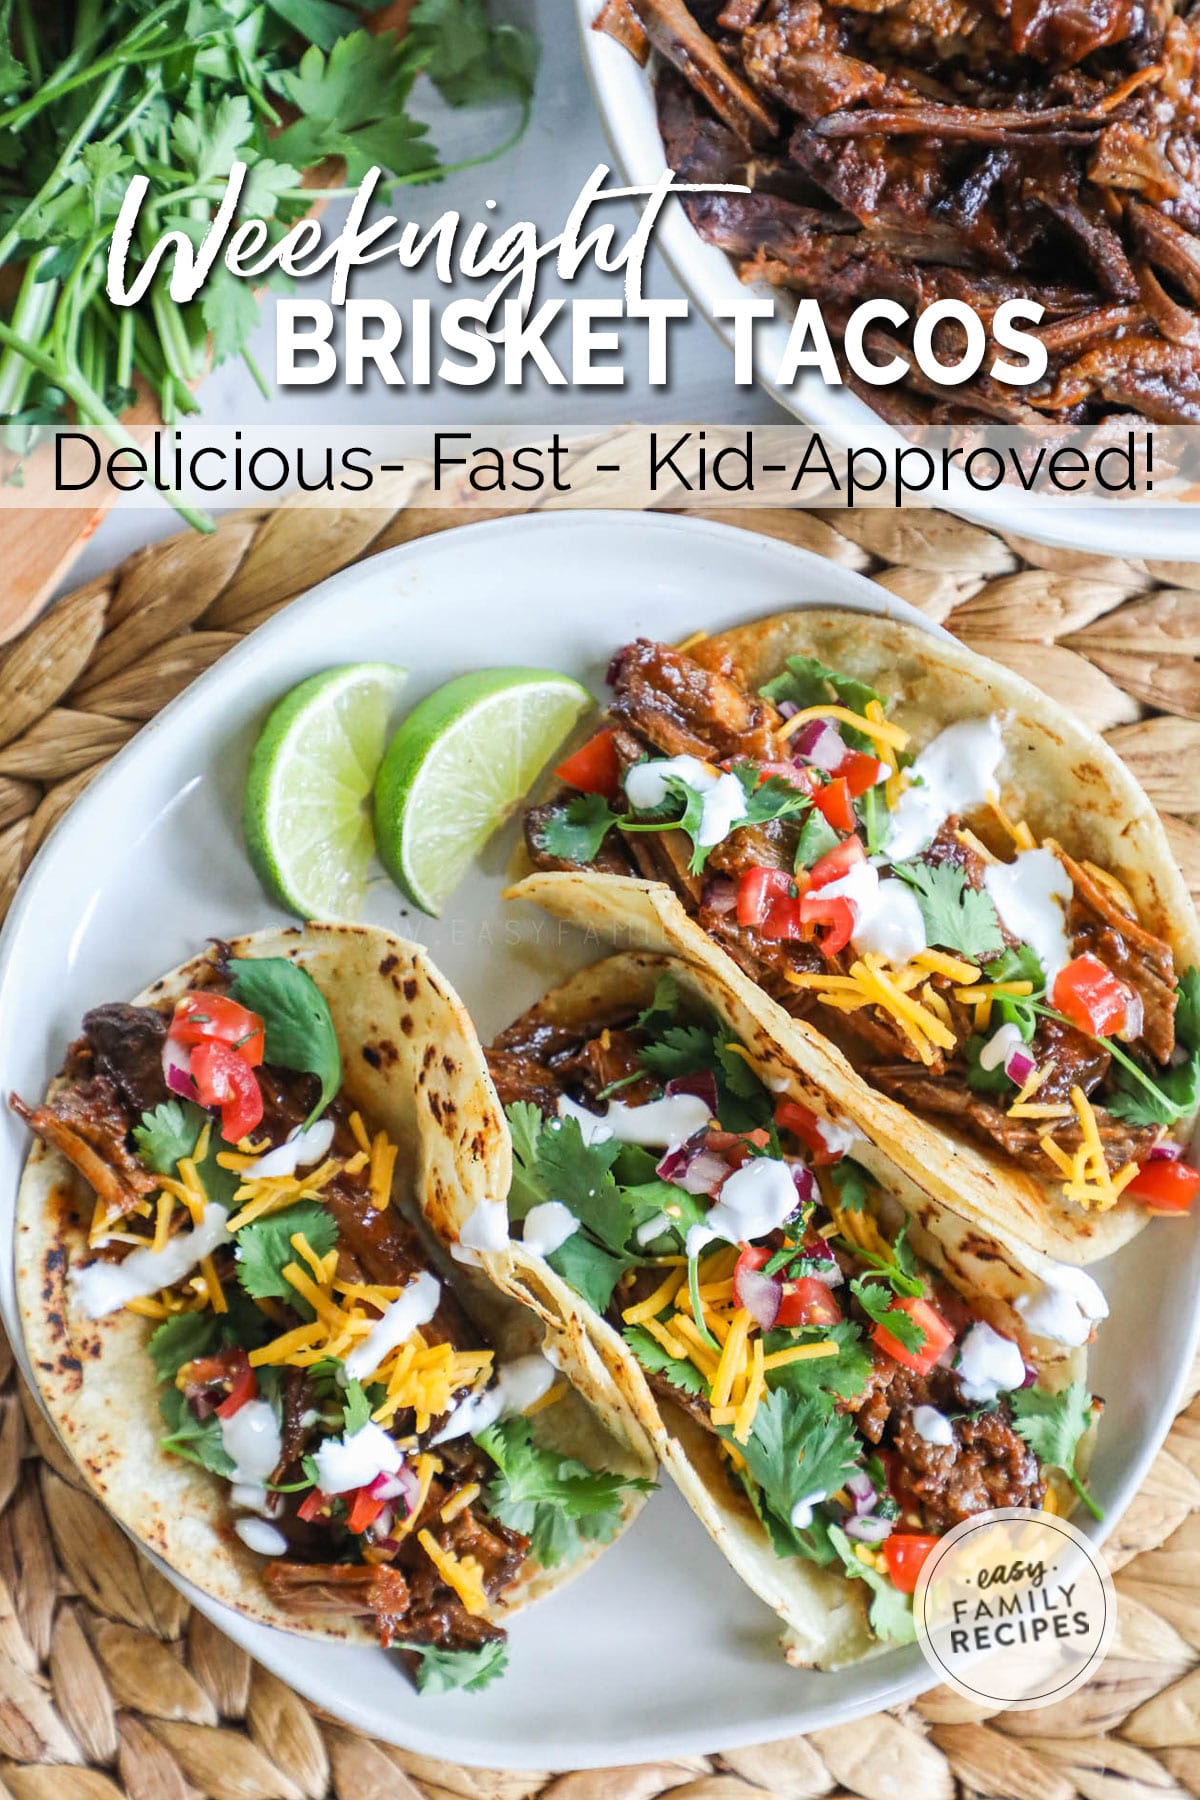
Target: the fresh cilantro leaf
pixel 898 1268
pixel 526 1124
pixel 957 916
pixel 1019 964
pixel 580 1175
pixel 890 1611
pixel 230 311
pixel 658 1361
pixel 211 140
pixel 351 101
pixel 299 1027
pixel 979 1079
pixel 445 1671
pixel 471 59
pixel 575 831
pixel 591 1270
pixel 358 1408
pixel 841 1376
pixel 264 1249
pixel 816 837
pixel 773 798
pixel 1161 1099
pixel 679 1050
pixel 806 681
pixel 557 1502
pixel 663 1006
pixel 853 1183
pixel 876 1300
pixel 168 1134
pixel 196 1440
pixel 181 1339
pixel 322 22
pixel 1052 1425
pixel 797 1448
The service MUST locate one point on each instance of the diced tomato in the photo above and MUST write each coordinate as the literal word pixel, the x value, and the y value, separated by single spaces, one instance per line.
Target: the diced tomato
pixel 212 1018
pixel 792 773
pixel 836 912
pixel 313 1506
pixel 243 1387
pixel 808 1301
pixel 223 1079
pixel 906 1554
pixel 364 1510
pixel 938 1335
pixel 768 900
pixel 833 803
pixel 735 1148
pixel 1165 1186
pixel 752 1258
pixel 791 1116
pixel 594 768
pixel 1091 996
pixel 860 771
pixel 837 862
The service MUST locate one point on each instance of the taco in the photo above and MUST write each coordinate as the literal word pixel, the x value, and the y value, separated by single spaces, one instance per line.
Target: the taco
pixel 949 898
pixel 835 1367
pixel 240 1335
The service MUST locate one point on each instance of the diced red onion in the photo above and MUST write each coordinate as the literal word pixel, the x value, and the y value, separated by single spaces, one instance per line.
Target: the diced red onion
pixel 177 1068
pixel 385 1486
pixel 760 1294
pixel 861 1490
pixel 1019 1065
pixel 1167 1151
pixel 719 895
pixel 818 1250
pixel 1031 1376
pixel 870 1529
pixel 829 1274
pixel 1135 1017
pixel 804 1182
pixel 703 1084
pixel 820 743
pixel 382 1523
pixel 693 1168
pixel 787 709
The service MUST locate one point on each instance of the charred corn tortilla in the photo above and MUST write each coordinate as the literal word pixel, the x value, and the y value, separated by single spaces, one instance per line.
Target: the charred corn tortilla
pixel 413 1067
pixel 1057 776
pixel 822 1612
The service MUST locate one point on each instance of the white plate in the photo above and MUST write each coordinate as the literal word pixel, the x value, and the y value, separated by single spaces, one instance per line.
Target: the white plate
pixel 624 95
pixel 658 1650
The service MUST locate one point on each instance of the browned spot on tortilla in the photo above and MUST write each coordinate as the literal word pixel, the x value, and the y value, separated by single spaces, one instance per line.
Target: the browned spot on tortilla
pixel 428 1059
pixel 435 1105
pixel 449 1064
pixel 406 1025
pixel 388 963
pixel 410 988
pixel 371 1055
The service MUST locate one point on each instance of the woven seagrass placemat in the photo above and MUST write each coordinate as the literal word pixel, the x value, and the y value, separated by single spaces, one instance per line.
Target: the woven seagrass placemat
pixel 111 1686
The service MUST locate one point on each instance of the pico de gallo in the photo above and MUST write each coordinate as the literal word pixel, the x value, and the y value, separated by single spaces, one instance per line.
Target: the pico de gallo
pixel 379 1453
pixel 880 889
pixel 766 1284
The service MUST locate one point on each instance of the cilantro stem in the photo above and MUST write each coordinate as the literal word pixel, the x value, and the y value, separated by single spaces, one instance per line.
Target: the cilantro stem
pixel 697 1308
pixel 1097 1512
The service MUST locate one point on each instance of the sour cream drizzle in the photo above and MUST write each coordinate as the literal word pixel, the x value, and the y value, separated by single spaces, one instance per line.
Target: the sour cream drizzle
pixel 887 918
pixel 101 1287
pixel 485 1229
pixel 661 1124
pixel 1065 1307
pixel 406 1314
pixel 1030 895
pixel 261 1537
pixel 988 1364
pixel 298 1151
pixel 517 1386
pixel 954 773
pixel 723 799
pixel 548 1226
pixel 352 1462
pixel 932 1426
pixel 253 1443
pixel 753 1201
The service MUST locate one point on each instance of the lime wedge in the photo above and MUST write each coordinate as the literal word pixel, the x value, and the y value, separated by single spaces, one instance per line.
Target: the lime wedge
pixel 460 764
pixel 307 806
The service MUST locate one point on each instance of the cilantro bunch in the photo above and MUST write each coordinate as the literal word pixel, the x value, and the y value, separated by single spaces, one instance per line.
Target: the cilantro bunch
pixel 94 92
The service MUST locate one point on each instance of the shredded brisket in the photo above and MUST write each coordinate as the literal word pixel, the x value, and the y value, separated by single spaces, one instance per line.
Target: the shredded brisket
pixel 969 149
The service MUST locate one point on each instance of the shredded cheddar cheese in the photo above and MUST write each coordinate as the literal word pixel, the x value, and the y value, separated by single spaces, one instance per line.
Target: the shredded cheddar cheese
pixel 459 1502
pixel 878 730
pixel 690 641
pixel 953 967
pixel 463 1574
